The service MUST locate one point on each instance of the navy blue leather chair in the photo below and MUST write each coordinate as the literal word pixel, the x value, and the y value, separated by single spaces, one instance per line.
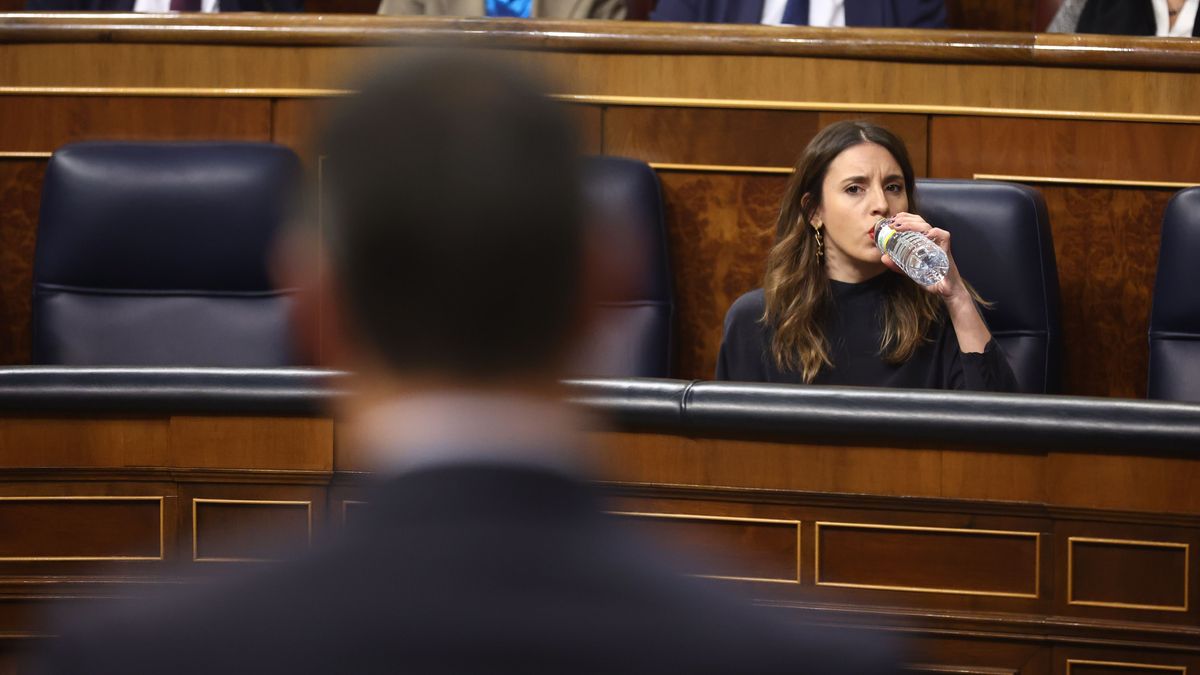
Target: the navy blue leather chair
pixel 1175 315
pixel 1001 242
pixel 156 254
pixel 635 333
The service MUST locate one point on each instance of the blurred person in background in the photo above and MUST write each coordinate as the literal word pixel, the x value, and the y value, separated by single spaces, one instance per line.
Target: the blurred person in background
pixel 1161 18
pixel 863 13
pixel 460 274
pixel 206 6
pixel 523 9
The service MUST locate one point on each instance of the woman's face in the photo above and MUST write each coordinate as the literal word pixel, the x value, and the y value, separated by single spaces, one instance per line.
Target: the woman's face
pixel 863 184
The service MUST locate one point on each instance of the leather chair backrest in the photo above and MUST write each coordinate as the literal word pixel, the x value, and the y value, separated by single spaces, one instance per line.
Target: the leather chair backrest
pixel 635 333
pixel 1175 315
pixel 156 254
pixel 1000 239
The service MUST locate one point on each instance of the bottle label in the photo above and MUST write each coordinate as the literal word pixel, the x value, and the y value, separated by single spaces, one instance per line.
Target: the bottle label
pixel 882 236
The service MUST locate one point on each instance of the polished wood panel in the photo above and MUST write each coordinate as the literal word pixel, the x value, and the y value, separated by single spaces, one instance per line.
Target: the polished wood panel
pixel 20 201
pixel 249 530
pixel 922 559
pixel 1081 661
pixel 724 546
pixel 62 442
pixel 739 137
pixel 43 123
pixel 294 121
pixel 1064 149
pixel 719 229
pixel 1099 573
pixel 773 138
pixel 977 656
pixel 80 528
pixel 296 444
pixel 1106 244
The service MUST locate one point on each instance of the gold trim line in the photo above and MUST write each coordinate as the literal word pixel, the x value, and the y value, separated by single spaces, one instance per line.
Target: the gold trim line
pixel 1037 560
pixel 720 168
pixel 307 504
pixel 1132 543
pixel 647 101
pixel 205 92
pixel 867 107
pixel 162 527
pixel 1124 664
pixel 729 519
pixel 25 155
pixel 1105 182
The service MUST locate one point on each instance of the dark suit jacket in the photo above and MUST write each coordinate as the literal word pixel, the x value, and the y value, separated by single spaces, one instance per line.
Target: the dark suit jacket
pixel 1121 17
pixel 127 5
pixel 884 13
pixel 470 569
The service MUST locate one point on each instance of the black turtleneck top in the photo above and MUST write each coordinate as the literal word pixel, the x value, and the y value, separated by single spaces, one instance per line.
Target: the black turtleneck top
pixel 854 326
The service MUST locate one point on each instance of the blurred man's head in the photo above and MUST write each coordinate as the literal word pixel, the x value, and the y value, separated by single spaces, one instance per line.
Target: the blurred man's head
pixel 453 221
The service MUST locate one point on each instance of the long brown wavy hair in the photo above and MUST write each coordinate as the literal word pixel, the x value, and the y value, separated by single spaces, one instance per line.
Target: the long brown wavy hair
pixel 797 289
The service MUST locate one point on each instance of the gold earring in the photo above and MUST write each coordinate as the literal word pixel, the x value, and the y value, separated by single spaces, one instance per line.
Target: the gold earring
pixel 816 226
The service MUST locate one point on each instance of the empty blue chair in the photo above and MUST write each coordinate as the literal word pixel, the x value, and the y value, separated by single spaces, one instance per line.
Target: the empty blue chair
pixel 155 254
pixel 1175 315
pixel 635 333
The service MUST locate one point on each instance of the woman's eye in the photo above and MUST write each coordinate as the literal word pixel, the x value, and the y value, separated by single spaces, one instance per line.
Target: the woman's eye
pixel 853 189
pixel 895 187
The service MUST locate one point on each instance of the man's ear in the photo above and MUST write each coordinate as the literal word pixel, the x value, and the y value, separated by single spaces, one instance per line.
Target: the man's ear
pixel 300 266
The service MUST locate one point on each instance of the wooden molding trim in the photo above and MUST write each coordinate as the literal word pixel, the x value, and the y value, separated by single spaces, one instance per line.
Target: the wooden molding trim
pixel 932 46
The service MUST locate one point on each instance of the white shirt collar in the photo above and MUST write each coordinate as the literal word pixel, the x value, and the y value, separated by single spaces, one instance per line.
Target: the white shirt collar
pixel 450 428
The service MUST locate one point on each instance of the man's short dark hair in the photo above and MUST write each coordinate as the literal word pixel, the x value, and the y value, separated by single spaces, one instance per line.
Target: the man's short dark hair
pixel 452 208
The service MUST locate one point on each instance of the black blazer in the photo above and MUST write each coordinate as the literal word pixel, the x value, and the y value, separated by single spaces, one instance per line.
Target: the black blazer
pixel 1121 17
pixel 127 5
pixel 885 13
pixel 471 569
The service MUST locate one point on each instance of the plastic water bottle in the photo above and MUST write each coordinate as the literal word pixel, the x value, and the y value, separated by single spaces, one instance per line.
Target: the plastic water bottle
pixel 913 252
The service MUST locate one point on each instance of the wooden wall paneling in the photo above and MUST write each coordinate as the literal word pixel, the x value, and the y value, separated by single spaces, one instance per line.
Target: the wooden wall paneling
pixel 662 459
pixel 69 442
pixel 719 229
pixel 222 523
pixel 83 530
pixel 301 444
pixel 294 121
pixel 1064 149
pixel 737 136
pixel 763 138
pixel 213 68
pixel 1106 243
pixel 43 123
pixel 20 201
pixel 1096 661
pixel 977 656
pixel 1128 572
pixel 909 558
pixel 737 547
